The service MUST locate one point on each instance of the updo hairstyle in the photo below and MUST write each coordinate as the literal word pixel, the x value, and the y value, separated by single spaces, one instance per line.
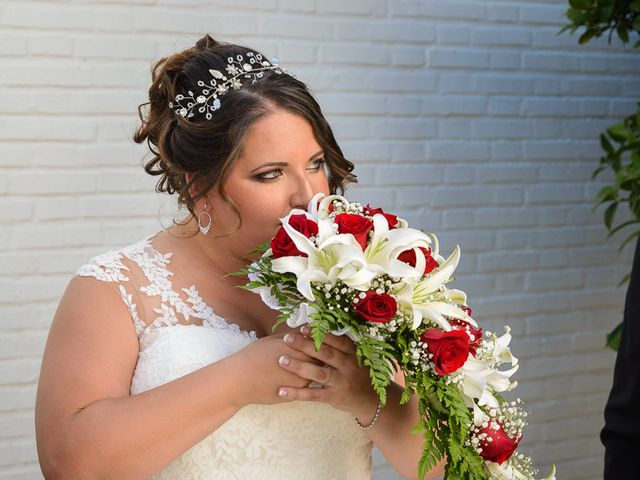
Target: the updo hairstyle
pixel 209 148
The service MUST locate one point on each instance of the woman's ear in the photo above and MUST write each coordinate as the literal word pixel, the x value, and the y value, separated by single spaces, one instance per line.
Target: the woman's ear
pixel 197 188
pixel 193 188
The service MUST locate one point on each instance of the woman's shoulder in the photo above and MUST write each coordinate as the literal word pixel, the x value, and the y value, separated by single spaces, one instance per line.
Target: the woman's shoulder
pixel 111 265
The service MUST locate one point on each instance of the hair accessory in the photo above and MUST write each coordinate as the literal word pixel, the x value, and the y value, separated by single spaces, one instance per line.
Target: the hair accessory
pixel 378 410
pixel 204 229
pixel 208 99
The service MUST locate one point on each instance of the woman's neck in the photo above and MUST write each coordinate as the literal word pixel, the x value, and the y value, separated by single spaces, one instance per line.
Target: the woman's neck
pixel 212 255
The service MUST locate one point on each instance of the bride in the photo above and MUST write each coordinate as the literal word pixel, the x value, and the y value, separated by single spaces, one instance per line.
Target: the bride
pixel 156 365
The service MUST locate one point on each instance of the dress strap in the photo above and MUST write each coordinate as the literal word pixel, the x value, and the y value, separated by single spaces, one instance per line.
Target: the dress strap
pixel 111 267
pixel 144 282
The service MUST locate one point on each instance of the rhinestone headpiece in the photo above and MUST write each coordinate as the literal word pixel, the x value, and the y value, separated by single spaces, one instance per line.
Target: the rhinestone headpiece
pixel 208 99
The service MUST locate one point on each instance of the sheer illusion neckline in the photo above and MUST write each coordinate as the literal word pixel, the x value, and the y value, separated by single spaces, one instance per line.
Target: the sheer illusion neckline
pixel 212 320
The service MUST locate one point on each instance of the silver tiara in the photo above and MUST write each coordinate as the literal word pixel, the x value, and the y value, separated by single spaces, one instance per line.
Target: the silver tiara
pixel 208 99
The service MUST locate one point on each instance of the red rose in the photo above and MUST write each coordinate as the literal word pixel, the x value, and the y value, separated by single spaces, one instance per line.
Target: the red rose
pixel 377 307
pixel 281 243
pixel 450 350
pixel 500 447
pixel 474 344
pixel 409 256
pixel 357 225
pixel 391 219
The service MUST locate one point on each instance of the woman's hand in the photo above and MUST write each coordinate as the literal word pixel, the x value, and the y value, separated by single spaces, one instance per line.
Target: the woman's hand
pixel 350 388
pixel 259 373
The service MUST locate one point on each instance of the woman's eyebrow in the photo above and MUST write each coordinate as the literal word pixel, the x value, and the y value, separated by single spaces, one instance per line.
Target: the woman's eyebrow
pixel 283 164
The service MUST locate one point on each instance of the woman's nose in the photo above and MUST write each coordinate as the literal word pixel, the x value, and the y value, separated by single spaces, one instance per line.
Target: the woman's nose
pixel 304 192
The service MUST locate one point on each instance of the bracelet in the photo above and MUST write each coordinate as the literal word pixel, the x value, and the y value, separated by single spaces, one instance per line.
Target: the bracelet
pixel 378 410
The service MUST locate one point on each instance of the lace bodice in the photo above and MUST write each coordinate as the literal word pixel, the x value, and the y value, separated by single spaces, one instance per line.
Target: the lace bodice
pixel 179 333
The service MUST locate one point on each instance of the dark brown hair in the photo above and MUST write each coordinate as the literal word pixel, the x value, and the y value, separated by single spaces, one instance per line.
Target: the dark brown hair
pixel 208 148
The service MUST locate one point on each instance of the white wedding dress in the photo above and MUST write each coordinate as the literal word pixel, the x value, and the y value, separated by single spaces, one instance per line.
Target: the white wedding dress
pixel 178 333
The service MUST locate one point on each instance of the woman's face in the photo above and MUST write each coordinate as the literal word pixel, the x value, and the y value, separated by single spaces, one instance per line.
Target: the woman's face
pixel 281 168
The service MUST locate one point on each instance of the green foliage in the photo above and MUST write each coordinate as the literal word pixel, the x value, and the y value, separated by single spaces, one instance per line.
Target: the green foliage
pixel 613 337
pixel 444 418
pixel 376 354
pixel 445 421
pixel 600 16
pixel 623 18
pixel 621 144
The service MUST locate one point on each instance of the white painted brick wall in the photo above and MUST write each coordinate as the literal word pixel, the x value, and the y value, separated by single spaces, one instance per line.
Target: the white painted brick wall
pixel 471 119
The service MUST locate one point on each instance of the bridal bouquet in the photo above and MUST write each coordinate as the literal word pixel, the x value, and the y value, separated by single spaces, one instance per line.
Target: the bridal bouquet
pixel 358 271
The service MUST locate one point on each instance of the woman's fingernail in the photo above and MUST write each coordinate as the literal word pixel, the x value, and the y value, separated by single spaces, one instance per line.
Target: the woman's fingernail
pixel 284 360
pixel 282 392
pixel 288 338
pixel 305 329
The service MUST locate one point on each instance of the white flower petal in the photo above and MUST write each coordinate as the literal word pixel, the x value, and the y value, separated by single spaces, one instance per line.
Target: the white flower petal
pixel 432 312
pixel 293 264
pixel 301 315
pixel 304 280
pixel 312 206
pixel 440 275
pixel 380 224
pixel 301 242
pixel 479 417
pixel 347 332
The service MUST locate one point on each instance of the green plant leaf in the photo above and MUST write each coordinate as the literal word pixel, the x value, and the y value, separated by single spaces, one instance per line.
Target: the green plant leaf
pixel 628 239
pixel 621 226
pixel 567 27
pixel 608 193
pixel 623 33
pixel 576 16
pixel 618 132
pixel 580 4
pixel 597 171
pixel 609 213
pixel 624 279
pixel 586 36
pixel 606 144
pixel 613 337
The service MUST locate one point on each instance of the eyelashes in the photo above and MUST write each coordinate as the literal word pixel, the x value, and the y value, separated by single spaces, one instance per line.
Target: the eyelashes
pixel 263 178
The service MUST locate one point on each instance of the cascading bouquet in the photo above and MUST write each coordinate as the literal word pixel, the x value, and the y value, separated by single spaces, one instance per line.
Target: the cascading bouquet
pixel 358 271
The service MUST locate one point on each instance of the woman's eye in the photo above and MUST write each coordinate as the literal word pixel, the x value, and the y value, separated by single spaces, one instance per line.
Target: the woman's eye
pixel 264 176
pixel 268 177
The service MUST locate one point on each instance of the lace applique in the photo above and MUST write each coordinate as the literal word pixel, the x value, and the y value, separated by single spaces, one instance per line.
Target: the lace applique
pixel 109 267
pixel 133 311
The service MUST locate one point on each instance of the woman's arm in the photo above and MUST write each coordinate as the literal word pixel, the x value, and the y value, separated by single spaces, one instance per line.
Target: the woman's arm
pixel 392 433
pixel 87 425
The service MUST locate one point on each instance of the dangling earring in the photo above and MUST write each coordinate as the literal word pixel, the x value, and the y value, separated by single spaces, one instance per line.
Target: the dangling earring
pixel 204 229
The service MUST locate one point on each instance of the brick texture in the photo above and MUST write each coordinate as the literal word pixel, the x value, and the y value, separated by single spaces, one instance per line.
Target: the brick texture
pixel 471 119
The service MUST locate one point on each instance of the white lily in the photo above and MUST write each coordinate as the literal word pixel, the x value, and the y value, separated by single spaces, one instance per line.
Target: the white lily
pixel 399 240
pixel 507 471
pixel 430 298
pixel 340 256
pixel 321 210
pixel 323 263
pixel 479 416
pixel 480 373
